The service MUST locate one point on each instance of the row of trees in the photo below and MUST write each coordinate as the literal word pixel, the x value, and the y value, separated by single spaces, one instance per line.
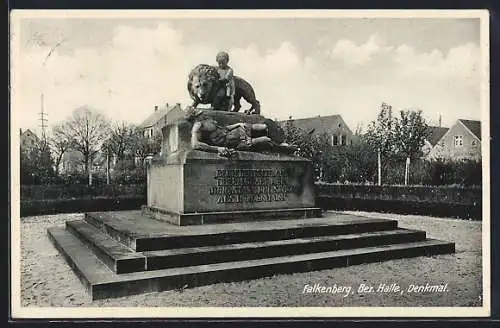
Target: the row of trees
pixel 385 150
pixel 400 136
pixel 382 154
pixel 94 137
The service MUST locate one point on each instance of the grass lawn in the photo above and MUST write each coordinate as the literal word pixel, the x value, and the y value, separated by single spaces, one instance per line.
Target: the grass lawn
pixel 47 281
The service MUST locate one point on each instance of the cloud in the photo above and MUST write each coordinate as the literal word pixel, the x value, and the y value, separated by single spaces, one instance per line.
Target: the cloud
pixel 438 82
pixel 458 63
pixel 352 54
pixel 143 67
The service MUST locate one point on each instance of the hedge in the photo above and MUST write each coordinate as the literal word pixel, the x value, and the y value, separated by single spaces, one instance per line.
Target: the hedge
pixel 429 194
pixel 444 201
pixel 53 206
pixel 447 201
pixel 74 191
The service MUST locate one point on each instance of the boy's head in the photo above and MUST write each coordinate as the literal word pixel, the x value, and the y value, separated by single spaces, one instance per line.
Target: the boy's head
pixel 222 58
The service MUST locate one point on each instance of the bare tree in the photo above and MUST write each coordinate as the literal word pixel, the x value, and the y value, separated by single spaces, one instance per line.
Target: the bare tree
pixel 143 146
pixel 59 143
pixel 86 131
pixel 121 139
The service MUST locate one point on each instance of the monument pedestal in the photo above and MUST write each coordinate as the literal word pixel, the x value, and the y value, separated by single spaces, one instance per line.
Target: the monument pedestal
pixel 212 219
pixel 196 187
pixel 187 186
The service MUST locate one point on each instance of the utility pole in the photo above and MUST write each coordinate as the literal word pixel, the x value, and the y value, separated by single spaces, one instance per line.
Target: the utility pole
pixel 107 167
pixel 43 114
pixel 43 121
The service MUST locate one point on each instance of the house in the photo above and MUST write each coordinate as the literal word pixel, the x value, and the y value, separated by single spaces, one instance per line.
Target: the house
pixel 28 139
pixel 333 126
pixel 152 125
pixel 435 133
pixel 461 141
pixel 72 162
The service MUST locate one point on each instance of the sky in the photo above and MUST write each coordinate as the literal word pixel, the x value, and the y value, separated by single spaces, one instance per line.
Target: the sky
pixel 299 67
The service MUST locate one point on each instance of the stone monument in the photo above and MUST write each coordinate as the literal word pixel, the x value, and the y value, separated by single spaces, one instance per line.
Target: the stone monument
pixel 227 200
pixel 221 167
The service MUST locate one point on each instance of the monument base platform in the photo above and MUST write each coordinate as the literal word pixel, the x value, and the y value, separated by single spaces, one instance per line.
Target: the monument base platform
pixel 124 253
pixel 184 219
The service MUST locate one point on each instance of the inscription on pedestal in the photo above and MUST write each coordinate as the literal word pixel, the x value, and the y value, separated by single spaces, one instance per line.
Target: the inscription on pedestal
pixel 251 186
pixel 246 185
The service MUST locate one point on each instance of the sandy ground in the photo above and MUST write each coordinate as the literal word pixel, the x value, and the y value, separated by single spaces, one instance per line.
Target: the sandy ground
pixel 46 279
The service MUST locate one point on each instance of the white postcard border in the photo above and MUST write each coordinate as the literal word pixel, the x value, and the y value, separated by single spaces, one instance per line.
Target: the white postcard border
pixel 19 312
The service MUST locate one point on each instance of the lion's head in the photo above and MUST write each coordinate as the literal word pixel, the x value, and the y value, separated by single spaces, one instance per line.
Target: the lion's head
pixel 202 80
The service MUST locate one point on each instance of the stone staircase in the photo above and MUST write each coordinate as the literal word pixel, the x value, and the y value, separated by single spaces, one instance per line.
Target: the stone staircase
pixel 125 253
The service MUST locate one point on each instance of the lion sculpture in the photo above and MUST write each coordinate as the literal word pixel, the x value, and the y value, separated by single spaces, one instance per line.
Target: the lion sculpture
pixel 205 88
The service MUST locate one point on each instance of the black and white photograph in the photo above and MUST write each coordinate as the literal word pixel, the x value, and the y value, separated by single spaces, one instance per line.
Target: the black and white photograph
pixel 259 163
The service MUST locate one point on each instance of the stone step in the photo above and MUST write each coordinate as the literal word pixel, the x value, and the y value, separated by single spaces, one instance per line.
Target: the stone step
pixel 141 233
pixel 117 256
pixel 101 282
pixel 182 257
pixel 122 259
pixel 185 219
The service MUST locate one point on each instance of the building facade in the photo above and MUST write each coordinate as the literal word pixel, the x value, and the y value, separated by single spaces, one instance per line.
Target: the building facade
pixel 28 140
pixel 153 124
pixel 333 126
pixel 435 133
pixel 461 141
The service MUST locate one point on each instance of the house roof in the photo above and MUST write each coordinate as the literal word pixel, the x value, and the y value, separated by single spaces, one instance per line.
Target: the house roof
pixel 435 134
pixel 157 115
pixel 321 124
pixel 29 135
pixel 72 155
pixel 28 132
pixel 473 126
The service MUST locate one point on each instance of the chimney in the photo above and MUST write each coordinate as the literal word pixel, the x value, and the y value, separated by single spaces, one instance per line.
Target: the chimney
pixel 439 120
pixel 156 108
pixel 166 105
pixel 178 104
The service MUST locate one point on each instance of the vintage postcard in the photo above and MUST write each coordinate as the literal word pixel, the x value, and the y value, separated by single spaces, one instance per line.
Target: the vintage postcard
pixel 265 163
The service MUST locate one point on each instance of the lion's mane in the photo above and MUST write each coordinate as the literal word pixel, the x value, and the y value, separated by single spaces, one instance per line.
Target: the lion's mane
pixel 204 71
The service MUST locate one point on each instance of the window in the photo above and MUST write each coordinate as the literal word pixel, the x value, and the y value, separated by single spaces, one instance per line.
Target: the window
pixel 148 133
pixel 459 141
pixel 474 143
pixel 343 140
pixel 335 140
pixel 173 141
